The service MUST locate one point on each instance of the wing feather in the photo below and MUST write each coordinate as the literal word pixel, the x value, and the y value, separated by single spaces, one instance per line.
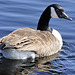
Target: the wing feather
pixel 27 39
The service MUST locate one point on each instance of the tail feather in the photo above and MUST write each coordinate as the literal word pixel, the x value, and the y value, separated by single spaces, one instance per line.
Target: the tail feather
pixel 2 45
pixel 6 46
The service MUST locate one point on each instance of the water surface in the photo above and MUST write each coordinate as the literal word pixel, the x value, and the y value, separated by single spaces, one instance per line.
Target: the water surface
pixel 16 14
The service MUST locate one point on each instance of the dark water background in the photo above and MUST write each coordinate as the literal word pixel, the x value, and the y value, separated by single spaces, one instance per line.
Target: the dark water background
pixel 16 14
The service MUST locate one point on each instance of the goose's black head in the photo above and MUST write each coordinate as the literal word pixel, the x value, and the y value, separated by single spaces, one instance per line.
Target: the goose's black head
pixel 57 11
pixel 52 11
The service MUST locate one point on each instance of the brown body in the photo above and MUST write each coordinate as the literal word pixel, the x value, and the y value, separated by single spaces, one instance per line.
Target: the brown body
pixel 42 42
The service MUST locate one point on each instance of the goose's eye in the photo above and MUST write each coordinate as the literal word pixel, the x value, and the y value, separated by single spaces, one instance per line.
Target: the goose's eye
pixel 58 11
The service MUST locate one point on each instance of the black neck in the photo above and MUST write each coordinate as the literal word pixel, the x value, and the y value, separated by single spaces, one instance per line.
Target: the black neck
pixel 43 23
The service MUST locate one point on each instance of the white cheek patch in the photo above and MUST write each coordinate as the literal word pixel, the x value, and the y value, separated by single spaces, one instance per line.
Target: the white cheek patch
pixel 53 13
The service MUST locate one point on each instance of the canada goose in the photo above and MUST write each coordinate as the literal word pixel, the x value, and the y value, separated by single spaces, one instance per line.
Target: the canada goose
pixel 27 42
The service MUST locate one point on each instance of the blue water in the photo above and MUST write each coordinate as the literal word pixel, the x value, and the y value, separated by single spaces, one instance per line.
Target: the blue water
pixel 15 14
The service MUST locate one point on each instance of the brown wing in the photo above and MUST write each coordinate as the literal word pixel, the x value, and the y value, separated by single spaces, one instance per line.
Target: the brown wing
pixel 27 39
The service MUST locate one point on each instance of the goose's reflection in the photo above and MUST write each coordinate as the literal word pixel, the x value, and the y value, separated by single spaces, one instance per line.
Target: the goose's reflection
pixel 23 67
